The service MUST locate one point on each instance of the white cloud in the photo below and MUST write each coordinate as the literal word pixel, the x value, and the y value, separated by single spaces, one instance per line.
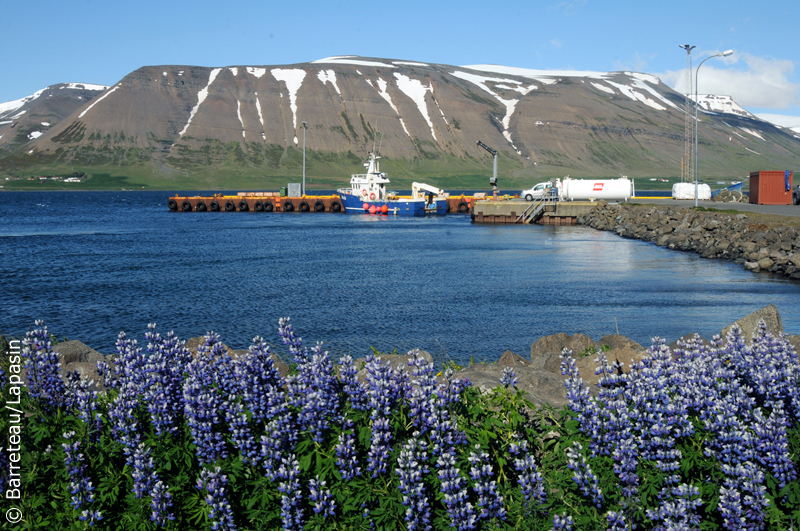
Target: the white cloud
pixel 758 82
pixel 781 119
pixel 556 43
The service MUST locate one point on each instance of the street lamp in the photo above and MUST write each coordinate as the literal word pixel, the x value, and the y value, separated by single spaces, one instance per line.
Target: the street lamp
pixel 305 126
pixel 696 102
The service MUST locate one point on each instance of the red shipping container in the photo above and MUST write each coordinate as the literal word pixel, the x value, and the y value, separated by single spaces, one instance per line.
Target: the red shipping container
pixel 769 188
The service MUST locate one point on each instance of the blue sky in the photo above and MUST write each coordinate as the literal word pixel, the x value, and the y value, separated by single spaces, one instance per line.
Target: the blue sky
pixel 90 41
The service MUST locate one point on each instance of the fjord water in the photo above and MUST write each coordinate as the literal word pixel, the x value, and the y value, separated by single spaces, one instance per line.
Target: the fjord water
pixel 94 264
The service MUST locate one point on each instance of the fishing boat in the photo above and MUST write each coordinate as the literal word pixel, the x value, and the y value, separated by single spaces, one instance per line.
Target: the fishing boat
pixel 368 194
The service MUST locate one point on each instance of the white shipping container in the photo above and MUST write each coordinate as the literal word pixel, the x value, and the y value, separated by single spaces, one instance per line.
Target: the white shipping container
pixel 686 191
pixel 609 189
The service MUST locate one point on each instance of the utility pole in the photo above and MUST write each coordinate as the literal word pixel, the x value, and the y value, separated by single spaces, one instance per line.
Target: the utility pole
pixel 493 180
pixel 305 126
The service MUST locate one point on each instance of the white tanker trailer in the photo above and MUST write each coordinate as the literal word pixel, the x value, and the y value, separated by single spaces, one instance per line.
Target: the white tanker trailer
pixel 584 189
pixel 594 189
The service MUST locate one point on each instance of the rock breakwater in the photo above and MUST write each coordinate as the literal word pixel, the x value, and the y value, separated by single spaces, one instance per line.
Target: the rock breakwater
pixel 711 234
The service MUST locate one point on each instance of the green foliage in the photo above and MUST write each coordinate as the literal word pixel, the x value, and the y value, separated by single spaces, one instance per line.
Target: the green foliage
pixel 491 422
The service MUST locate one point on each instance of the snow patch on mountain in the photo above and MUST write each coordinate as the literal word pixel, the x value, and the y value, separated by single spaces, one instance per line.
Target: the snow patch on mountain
pixel 82 86
pixel 543 76
pixel 753 132
pixel 234 70
pixel 349 60
pixel 239 114
pixel 329 75
pixel 414 89
pixel 409 63
pixel 293 78
pixel 201 96
pixel 509 104
pixel 598 86
pixel 260 117
pixel 636 96
pixel 98 100
pixel 721 104
pixel 12 106
pixel 257 72
pixel 381 88
pixel 34 135
pixel 644 77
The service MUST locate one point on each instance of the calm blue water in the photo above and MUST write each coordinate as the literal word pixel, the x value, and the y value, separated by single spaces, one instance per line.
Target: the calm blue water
pixel 93 264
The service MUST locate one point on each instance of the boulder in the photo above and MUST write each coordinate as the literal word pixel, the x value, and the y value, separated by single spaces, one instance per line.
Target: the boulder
pixel 509 359
pixel 74 351
pixel 194 342
pixel 554 344
pixel 749 323
pixel 88 371
pixel 543 387
pixel 623 349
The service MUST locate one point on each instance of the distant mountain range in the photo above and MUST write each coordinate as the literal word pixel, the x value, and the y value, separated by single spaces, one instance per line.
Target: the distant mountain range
pixel 242 126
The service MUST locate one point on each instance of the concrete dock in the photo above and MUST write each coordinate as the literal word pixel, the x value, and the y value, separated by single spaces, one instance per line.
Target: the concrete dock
pixel 510 211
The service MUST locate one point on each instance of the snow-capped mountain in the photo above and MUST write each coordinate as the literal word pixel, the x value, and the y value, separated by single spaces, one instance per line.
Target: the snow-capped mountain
pixel 250 119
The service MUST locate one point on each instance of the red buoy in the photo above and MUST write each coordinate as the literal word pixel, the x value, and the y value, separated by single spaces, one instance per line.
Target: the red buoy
pixel 385 209
pixel 372 209
pixel 365 206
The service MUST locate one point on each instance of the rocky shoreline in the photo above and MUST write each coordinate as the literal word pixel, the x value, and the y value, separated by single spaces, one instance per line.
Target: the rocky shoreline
pixel 539 375
pixel 711 234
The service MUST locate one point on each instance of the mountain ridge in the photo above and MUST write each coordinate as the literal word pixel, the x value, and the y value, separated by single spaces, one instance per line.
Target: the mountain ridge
pixel 246 122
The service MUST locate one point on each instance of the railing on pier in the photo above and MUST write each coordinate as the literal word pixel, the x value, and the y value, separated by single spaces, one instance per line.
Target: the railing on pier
pixel 537 208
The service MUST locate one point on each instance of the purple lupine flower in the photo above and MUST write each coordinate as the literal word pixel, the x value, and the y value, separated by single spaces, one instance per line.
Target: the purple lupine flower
pixel 454 488
pixel 490 502
pixel 355 391
pixel 772 445
pixel 677 508
pixel 411 468
pixel 582 474
pixel 529 479
pixel 744 499
pixel 314 392
pixel 616 521
pixel 163 387
pixel 291 499
pixel 80 486
pixel 213 483
pixel 444 432
pixel 161 502
pixel 580 401
pixel 422 397
pixel 562 522
pixel 281 432
pixel 43 369
pixel 84 401
pixel 346 454
pixel 625 458
pixel 203 401
pixel 288 337
pixel 142 471
pixel 383 394
pixel 256 373
pixel 378 456
pixel 123 410
pixel 324 503
pixel 509 377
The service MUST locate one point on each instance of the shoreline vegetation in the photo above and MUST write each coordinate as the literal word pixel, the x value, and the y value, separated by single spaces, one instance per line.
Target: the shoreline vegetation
pixel 176 435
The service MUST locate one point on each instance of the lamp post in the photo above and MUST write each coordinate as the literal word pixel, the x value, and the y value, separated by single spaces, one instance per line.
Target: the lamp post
pixel 696 102
pixel 305 125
